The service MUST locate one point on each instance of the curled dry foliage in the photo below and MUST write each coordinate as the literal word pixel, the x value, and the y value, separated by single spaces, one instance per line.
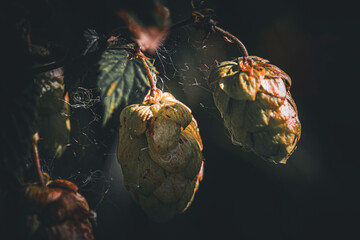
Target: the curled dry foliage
pixel 160 154
pixel 57 211
pixel 150 37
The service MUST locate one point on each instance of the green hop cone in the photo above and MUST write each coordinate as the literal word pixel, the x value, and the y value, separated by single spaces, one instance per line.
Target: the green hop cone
pixel 53 120
pixel 160 155
pixel 257 108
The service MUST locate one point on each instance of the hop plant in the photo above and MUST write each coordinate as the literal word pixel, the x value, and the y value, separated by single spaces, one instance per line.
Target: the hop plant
pixel 57 211
pixel 160 148
pixel 254 100
pixel 160 155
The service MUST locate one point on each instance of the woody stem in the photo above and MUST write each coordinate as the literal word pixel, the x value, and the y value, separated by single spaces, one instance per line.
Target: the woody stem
pixel 37 159
pixel 225 33
pixel 240 45
pixel 151 79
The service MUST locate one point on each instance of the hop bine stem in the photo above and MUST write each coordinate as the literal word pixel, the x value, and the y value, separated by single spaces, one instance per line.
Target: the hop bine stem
pixel 35 140
pixel 240 45
pixel 143 59
pixel 203 17
pixel 135 52
pixel 151 79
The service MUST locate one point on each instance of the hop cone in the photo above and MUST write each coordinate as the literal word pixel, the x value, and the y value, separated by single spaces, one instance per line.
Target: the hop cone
pixel 160 155
pixel 257 108
pixel 53 121
pixel 57 211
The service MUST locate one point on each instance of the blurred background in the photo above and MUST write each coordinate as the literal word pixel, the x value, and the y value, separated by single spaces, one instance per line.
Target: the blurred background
pixel 314 196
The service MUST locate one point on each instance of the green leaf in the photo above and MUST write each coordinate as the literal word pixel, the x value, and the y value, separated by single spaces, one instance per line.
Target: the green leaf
pixel 120 77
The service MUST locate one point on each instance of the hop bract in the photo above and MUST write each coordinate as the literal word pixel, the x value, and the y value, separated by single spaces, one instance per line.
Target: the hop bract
pixel 255 103
pixel 160 155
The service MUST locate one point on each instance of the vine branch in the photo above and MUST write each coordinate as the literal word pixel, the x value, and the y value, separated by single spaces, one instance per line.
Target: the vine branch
pixel 240 45
pixel 148 72
pixel 35 140
pixel 203 18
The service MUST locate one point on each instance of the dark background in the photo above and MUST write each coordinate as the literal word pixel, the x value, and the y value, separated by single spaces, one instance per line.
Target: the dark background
pixel 314 196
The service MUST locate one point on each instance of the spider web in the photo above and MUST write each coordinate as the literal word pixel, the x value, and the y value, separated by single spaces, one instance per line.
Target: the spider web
pixel 184 66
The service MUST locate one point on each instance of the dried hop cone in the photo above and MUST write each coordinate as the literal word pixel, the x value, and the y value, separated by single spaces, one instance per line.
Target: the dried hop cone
pixel 254 100
pixel 57 211
pixel 160 155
